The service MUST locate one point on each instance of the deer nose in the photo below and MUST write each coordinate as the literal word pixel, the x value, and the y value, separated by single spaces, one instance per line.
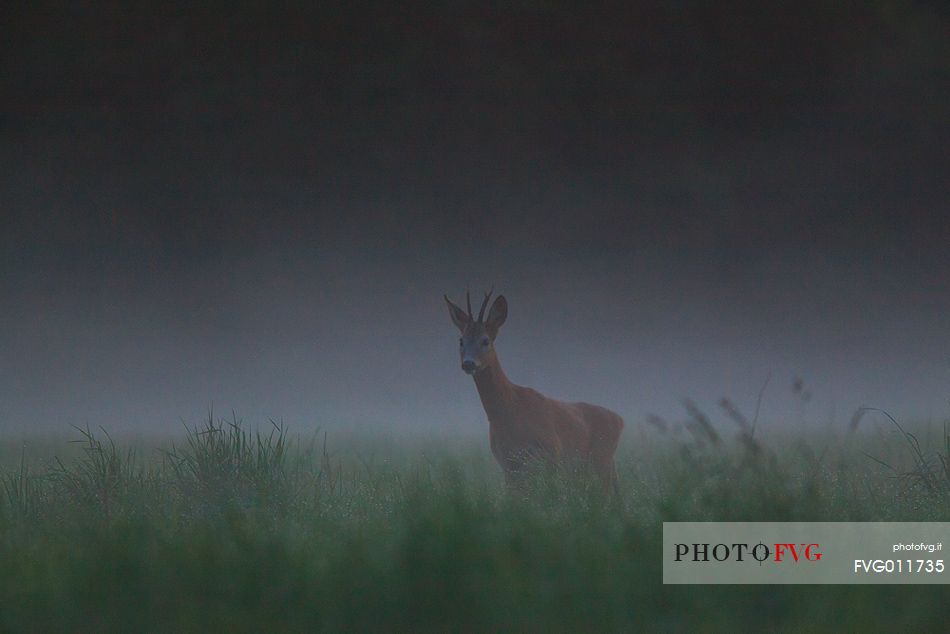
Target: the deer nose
pixel 468 366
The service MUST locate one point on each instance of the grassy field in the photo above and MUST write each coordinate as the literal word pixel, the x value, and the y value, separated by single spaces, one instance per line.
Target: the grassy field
pixel 233 529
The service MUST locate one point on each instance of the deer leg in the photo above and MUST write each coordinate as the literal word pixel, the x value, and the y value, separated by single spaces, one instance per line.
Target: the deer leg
pixel 606 470
pixel 603 448
pixel 521 465
pixel 515 479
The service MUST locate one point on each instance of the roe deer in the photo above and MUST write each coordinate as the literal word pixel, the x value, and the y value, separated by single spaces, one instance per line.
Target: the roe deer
pixel 524 424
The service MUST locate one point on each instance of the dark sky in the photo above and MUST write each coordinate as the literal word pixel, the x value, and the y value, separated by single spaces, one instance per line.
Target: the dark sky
pixel 259 205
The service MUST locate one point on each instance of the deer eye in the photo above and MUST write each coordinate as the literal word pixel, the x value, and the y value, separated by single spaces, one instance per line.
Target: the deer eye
pixel 461 343
pixel 485 341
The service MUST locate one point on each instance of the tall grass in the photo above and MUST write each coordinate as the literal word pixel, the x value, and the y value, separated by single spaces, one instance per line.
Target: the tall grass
pixel 241 529
pixel 223 466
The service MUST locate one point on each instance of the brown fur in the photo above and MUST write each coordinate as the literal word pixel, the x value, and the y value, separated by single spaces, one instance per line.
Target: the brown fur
pixel 524 424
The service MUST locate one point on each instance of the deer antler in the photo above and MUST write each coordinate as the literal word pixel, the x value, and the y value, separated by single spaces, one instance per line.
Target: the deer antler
pixel 481 312
pixel 468 303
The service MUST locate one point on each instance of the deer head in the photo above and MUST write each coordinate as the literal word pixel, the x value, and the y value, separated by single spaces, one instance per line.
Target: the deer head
pixel 477 343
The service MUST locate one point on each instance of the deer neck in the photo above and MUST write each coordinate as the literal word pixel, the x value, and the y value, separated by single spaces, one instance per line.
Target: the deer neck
pixel 495 390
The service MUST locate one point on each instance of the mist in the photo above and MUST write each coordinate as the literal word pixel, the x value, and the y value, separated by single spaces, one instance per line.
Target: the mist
pixel 352 340
pixel 259 212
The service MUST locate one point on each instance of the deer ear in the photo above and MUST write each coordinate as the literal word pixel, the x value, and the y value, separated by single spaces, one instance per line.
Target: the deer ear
pixel 459 316
pixel 497 314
